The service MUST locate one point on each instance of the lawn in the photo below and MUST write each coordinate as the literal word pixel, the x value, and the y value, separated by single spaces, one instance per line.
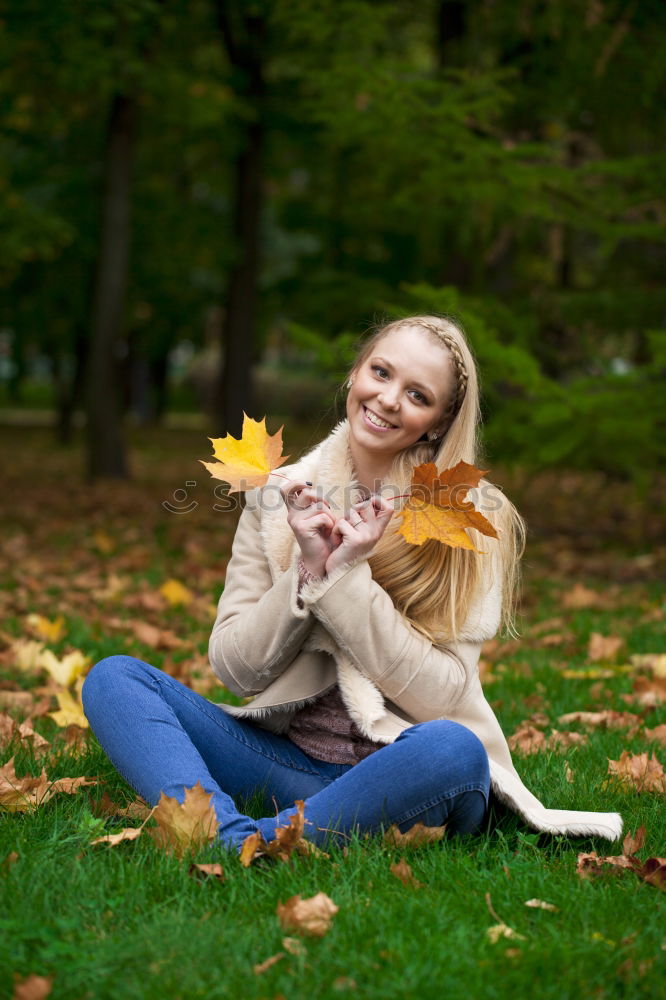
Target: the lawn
pixel 132 922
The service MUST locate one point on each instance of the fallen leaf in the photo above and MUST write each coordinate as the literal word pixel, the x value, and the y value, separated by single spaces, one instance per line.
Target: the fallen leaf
pixel 417 836
pixel 187 826
pixel 294 946
pixel 268 962
pixel 436 507
pixel 176 593
pixel 10 860
pixel 603 647
pixel 214 871
pixel 70 711
pixel 23 700
pixel 607 719
pixel 288 840
pixel 158 638
pixel 66 669
pixel 20 794
pixel 656 735
pixel 654 663
pixel 44 628
pixel 26 653
pixel 654 872
pixel 103 543
pixel 568 773
pixel 113 839
pixel 650 692
pixel 639 771
pixel 540 904
pixel 403 871
pixel 32 987
pixel 248 461
pixel 9 729
pixel 527 740
pixel 307 916
pixel 499 931
pixel 634 841
pixel 580 597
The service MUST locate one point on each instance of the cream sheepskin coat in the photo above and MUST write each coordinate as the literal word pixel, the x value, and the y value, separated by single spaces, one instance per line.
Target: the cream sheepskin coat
pixel 346 630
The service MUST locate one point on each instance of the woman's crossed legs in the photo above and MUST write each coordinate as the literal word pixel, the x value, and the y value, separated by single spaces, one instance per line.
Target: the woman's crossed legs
pixel 163 737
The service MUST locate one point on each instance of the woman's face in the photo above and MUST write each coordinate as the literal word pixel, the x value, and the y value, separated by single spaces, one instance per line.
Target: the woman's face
pixel 400 392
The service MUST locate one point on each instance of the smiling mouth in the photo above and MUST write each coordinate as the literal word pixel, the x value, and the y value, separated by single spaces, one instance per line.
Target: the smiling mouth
pixel 377 421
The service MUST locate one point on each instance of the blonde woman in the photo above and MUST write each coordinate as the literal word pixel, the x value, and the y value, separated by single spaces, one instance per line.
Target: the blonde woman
pixel 360 650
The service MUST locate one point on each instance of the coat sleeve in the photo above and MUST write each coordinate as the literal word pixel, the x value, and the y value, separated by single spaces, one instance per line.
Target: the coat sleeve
pixel 260 625
pixel 422 679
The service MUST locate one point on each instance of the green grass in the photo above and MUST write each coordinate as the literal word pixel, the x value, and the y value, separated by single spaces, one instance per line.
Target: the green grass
pixel 130 922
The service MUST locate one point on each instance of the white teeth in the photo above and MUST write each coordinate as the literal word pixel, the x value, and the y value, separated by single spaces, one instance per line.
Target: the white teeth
pixel 376 420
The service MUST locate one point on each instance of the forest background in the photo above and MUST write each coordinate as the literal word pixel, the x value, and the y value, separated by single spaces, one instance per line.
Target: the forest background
pixel 206 203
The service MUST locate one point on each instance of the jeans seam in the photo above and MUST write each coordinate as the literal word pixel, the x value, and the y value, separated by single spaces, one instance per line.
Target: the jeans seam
pixel 214 717
pixel 471 786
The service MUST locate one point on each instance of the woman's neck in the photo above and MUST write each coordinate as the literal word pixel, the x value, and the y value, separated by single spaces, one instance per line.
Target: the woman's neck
pixel 369 470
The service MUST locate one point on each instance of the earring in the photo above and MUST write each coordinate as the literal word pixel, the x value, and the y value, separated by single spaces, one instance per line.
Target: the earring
pixel 433 436
pixel 350 383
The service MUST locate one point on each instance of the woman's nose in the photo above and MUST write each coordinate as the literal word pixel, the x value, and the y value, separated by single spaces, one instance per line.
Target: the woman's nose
pixel 389 399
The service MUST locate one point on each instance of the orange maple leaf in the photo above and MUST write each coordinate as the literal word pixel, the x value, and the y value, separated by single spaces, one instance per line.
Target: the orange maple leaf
pixel 437 507
pixel 248 461
pixel 190 825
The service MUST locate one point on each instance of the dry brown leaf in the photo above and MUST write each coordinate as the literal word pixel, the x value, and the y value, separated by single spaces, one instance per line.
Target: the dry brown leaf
pixel 650 692
pixel 307 916
pixel 417 836
pixel 499 931
pixel 20 794
pixel 113 839
pixel 527 740
pixel 158 638
pixel 558 740
pixel 603 647
pixel 656 735
pixel 187 826
pixel 403 871
pixel 203 872
pixel 268 962
pixel 639 771
pixel 10 860
pixel 294 946
pixel 288 840
pixel 23 700
pixel 634 841
pixel 540 904
pixel 654 872
pixel 580 597
pixel 248 461
pixel 607 719
pixel 32 987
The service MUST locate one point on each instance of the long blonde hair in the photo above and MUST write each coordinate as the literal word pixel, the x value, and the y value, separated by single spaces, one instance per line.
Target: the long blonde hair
pixel 434 586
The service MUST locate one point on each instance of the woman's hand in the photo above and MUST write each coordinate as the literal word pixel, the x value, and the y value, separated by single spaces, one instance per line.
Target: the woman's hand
pixel 357 534
pixel 311 520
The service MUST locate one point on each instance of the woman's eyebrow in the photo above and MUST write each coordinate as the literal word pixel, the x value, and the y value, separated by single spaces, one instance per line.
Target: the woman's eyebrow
pixel 414 382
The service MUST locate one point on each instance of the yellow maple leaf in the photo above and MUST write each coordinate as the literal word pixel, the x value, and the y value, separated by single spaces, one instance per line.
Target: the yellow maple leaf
pixel 248 461
pixel 66 669
pixel 187 825
pixel 437 507
pixel 174 592
pixel 70 711
pixel 46 629
pixel 27 653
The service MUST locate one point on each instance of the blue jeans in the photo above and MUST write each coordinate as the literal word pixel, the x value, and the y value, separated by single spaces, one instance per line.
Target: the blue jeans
pixel 163 737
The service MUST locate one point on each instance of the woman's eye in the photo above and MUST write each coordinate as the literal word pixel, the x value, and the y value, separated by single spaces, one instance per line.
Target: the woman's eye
pixel 418 396
pixel 380 371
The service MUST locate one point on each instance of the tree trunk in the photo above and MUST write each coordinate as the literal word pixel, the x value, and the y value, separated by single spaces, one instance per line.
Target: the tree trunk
pixel 105 443
pixel 243 34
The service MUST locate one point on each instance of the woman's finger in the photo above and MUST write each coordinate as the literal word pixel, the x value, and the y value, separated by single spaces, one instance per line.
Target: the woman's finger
pixel 299 496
